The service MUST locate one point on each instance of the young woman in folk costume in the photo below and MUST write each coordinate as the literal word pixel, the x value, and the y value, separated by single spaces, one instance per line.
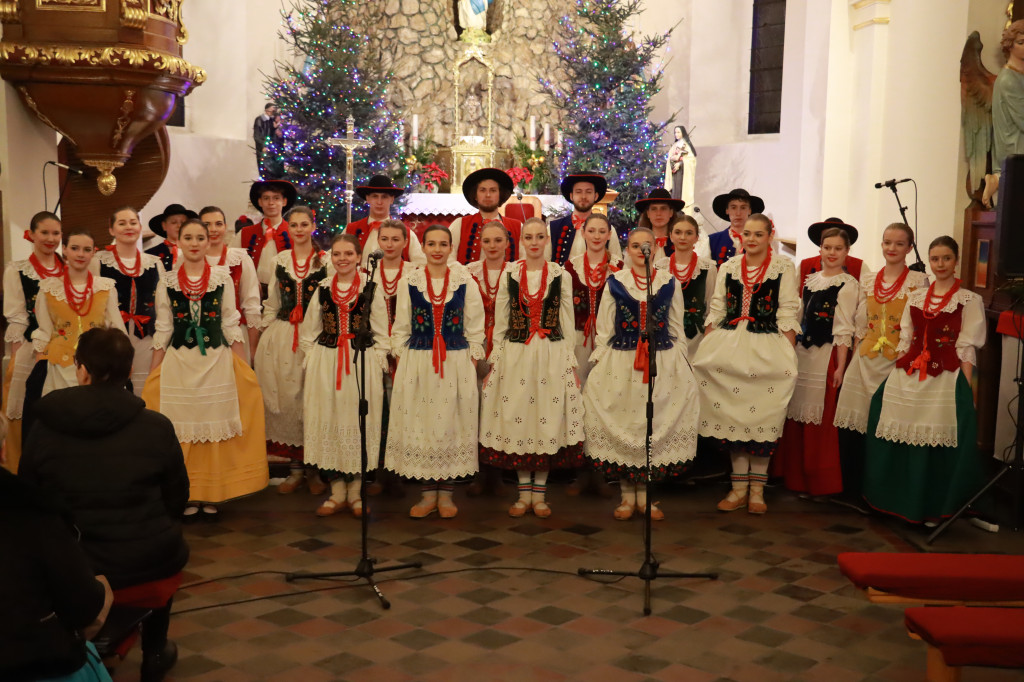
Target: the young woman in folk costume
pixel 438 336
pixel 882 299
pixel 746 364
pixel 298 272
pixel 808 456
pixel 532 411
pixel 21 287
pixel 136 276
pixel 331 395
pixel 392 238
pixel 588 272
pixel 615 396
pixel 922 459
pixel 201 382
pixel 696 276
pixel 68 305
pixel 488 273
pixel 243 276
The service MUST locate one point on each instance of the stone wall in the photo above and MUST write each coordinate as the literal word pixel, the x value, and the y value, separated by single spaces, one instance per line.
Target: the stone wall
pixel 418 41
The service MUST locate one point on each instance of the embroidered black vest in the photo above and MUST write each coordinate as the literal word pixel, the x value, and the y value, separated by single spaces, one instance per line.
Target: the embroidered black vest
pixel 819 314
pixel 519 320
pixel 30 287
pixel 329 318
pixel 286 287
pixel 163 252
pixel 563 234
pixel 145 295
pixel 695 300
pixel 209 322
pixel 764 305
pixel 452 326
pixel 627 317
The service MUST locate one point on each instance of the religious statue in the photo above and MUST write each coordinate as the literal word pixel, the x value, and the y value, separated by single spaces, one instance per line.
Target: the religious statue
pixel 473 112
pixel 1007 105
pixel 681 166
pixel 473 20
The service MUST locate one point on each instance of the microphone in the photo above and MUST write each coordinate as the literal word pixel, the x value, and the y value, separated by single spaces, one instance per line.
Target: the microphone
pixel 696 209
pixel 645 248
pixel 891 183
pixel 375 256
pixel 66 167
pixel 519 193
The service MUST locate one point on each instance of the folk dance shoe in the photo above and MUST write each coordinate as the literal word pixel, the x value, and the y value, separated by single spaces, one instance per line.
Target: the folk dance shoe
pixel 317 487
pixel 336 502
pixel 355 502
pixel 445 506
pixel 426 506
pixel 624 512
pixel 519 508
pixel 296 477
pixel 756 504
pixel 736 499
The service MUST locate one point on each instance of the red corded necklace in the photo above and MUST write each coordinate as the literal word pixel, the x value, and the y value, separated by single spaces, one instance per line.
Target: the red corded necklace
pixel 346 302
pixel 81 303
pixel 757 278
pixel 390 288
pixel 641 280
pixel 134 272
pixel 594 278
pixel 194 291
pixel 931 311
pixel 129 316
pixel 56 271
pixel 884 294
pixel 531 304
pixel 491 293
pixel 300 273
pixel 684 276
pixel 440 352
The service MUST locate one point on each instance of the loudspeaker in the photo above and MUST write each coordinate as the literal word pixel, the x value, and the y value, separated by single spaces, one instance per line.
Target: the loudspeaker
pixel 1010 217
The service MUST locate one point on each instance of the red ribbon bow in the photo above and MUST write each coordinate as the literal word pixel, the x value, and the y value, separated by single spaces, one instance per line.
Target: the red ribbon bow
pixel 921 364
pixel 735 322
pixel 642 360
pixel 28 236
pixel 139 320
pixel 344 359
pixel 440 352
pixel 295 317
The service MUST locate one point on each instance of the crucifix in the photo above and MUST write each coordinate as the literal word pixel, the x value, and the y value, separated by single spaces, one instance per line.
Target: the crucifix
pixel 350 143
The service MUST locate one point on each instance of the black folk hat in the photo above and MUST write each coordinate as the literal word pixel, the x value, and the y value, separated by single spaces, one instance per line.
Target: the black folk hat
pixel 814 231
pixel 659 196
pixel 505 184
pixel 596 179
pixel 283 186
pixel 156 223
pixel 379 183
pixel 721 202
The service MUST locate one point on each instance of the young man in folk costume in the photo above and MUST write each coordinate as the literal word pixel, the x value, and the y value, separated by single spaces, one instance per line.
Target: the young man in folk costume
pixel 582 190
pixel 735 207
pixel 165 226
pixel 270 236
pixel 485 190
pixel 813 264
pixel 379 193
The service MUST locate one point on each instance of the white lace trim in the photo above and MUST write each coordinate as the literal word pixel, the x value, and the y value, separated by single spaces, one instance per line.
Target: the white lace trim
pixel 850 419
pixel 148 260
pixel 776 268
pixel 554 270
pixel 55 286
pixel 967 354
pixel 459 275
pixel 679 445
pixel 817 281
pixel 914 280
pixel 476 351
pixel 943 435
pixel 714 429
pixel 598 354
pixel 664 263
pixel 209 432
pixel 285 259
pixel 219 275
pixel 625 278
pixel 805 414
pixel 336 448
pixel 25 268
pixel 961 297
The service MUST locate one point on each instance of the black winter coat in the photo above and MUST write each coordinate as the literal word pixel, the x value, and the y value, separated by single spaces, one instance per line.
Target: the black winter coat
pixel 119 468
pixel 47 589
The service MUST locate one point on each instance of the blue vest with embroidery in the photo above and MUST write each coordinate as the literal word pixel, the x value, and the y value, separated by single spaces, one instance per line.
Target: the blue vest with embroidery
pixel 453 324
pixel 626 334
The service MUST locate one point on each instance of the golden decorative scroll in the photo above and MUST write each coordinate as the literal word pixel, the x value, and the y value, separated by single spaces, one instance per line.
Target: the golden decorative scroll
pixel 20 54
pixel 127 107
pixel 106 182
pixel 134 13
pixel 31 104
pixel 10 13
pixel 171 11
pixel 73 5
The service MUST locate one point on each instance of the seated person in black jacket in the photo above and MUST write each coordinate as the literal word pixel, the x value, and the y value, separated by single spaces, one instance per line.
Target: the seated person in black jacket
pixel 120 470
pixel 48 595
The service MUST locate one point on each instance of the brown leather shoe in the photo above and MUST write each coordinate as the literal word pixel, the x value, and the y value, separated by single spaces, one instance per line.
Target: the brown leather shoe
pixel 624 512
pixel 733 501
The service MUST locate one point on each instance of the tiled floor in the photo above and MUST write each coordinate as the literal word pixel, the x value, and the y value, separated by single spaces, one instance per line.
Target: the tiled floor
pixel 500 599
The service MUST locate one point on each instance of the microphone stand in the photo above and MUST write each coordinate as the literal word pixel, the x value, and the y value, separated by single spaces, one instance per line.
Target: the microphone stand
pixel 366 568
pixel 649 568
pixel 919 265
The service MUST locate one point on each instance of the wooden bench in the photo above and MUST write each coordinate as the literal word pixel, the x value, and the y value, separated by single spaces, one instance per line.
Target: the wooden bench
pixel 959 636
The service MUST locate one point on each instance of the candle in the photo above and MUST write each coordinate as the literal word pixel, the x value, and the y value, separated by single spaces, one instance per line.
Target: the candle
pixel 547 136
pixel 533 132
pixel 558 142
pixel 415 128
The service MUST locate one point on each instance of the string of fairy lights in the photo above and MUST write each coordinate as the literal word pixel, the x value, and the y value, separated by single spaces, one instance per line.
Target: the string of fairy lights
pixel 606 106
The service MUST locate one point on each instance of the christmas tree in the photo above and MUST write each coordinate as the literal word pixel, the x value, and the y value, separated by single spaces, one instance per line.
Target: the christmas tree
pixel 606 105
pixel 336 77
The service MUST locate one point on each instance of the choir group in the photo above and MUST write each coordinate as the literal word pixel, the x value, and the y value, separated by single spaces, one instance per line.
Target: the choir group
pixel 519 345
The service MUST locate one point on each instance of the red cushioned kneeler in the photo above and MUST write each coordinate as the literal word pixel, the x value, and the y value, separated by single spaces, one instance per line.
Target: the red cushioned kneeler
pixel 944 577
pixel 971 635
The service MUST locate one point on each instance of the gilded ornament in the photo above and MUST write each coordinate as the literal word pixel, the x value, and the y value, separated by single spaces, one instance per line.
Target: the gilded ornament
pixel 10 13
pixel 127 107
pixel 106 183
pixel 31 104
pixel 73 5
pixel 134 13
pixel 21 54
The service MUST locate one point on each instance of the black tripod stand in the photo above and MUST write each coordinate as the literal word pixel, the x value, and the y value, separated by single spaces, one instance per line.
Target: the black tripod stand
pixel 1016 465
pixel 649 569
pixel 366 567
pixel 919 265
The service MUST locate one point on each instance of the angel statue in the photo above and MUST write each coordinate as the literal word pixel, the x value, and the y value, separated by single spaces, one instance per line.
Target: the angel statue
pixel 975 111
pixel 1007 107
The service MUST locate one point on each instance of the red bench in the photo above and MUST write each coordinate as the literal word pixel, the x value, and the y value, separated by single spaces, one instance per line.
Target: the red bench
pixel 960 636
pixel 912 578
